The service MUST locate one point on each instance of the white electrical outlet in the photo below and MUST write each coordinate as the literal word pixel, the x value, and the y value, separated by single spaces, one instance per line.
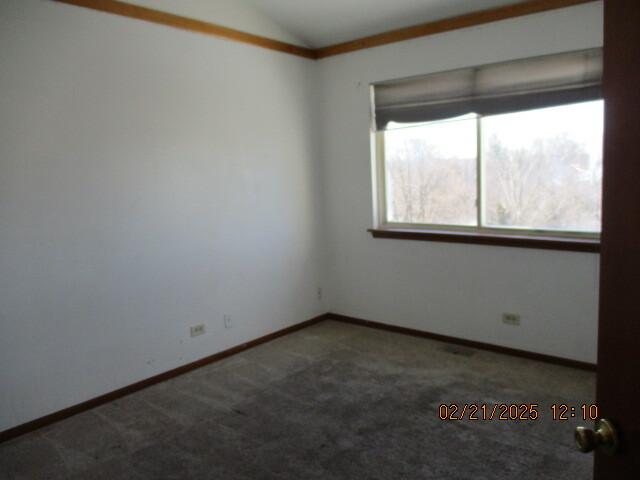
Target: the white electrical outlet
pixel 197 330
pixel 227 321
pixel 511 319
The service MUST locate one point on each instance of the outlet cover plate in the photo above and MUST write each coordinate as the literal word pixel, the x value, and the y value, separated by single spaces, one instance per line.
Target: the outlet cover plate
pixel 511 319
pixel 197 330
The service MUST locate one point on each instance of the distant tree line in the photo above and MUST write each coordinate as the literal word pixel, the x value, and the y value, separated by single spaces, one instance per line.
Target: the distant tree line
pixel 550 184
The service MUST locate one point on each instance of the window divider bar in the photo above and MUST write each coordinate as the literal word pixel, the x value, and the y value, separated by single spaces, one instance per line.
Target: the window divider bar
pixel 380 163
pixel 479 173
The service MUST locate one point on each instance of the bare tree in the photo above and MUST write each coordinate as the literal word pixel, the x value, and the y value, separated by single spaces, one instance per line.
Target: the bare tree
pixel 550 184
pixel 426 187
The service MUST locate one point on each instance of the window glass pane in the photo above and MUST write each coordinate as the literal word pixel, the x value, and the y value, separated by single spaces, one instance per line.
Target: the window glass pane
pixel 542 169
pixel 430 172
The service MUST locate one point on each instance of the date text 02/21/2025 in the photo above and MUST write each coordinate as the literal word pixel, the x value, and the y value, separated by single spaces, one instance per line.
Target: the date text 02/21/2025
pixel 515 411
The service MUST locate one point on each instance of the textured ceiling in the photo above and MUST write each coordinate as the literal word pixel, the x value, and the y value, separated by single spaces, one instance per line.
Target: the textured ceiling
pixel 319 23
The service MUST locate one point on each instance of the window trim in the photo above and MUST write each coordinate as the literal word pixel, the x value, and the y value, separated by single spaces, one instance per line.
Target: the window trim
pixel 482 235
pixel 573 244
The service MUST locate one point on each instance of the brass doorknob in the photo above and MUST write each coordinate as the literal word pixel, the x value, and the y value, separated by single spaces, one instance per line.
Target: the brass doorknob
pixel 603 438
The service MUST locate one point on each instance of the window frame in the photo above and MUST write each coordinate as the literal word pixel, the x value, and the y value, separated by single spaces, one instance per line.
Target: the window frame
pixel 481 234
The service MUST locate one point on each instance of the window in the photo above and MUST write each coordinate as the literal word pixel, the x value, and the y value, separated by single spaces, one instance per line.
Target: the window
pixel 535 170
pixel 520 162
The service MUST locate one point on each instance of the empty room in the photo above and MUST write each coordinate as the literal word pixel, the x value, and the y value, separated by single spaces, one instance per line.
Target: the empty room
pixel 346 239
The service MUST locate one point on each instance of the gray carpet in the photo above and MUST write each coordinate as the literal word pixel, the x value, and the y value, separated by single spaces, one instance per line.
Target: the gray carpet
pixel 333 401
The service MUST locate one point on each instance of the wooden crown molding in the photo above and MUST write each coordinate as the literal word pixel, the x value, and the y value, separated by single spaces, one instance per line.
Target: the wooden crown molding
pixel 448 24
pixel 431 28
pixel 163 18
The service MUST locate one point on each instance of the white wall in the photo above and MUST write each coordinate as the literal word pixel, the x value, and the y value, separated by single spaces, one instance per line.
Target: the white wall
pixel 150 179
pixel 451 289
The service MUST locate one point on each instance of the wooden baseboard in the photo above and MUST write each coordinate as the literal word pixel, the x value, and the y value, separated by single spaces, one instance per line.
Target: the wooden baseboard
pixel 121 392
pixel 134 387
pixel 467 343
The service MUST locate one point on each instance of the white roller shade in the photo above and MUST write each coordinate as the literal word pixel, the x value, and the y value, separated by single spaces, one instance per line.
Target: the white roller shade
pixel 491 89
